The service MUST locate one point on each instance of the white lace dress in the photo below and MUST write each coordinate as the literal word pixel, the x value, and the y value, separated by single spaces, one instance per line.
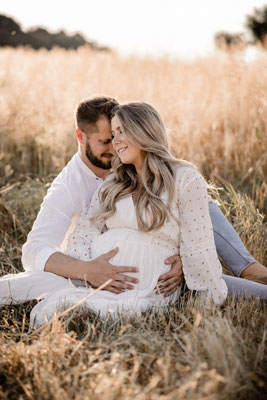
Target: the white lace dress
pixel 192 238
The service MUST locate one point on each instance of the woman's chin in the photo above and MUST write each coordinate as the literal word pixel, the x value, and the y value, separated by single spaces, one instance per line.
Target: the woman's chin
pixel 124 160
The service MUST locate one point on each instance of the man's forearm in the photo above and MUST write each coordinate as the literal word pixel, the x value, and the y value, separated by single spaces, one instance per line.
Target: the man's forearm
pixel 66 266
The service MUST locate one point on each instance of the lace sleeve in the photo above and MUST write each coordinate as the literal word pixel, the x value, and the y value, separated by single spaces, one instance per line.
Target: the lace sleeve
pixel 79 243
pixel 201 266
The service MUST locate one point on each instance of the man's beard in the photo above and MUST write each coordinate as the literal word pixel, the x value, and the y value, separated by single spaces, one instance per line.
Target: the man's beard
pixel 95 160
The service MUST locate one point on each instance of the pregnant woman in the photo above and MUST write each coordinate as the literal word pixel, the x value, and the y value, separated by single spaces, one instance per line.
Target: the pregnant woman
pixel 151 206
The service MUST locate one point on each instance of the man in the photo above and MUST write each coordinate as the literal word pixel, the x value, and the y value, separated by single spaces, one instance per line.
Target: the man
pixel 71 192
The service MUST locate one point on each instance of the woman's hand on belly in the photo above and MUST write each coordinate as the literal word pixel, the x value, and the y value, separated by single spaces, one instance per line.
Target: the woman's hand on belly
pixel 169 282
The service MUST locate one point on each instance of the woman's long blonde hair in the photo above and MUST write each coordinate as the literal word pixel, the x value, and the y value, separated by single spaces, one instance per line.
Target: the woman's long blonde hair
pixel 143 127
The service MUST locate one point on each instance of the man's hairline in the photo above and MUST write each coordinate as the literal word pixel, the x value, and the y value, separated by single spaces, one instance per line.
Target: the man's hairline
pixel 92 126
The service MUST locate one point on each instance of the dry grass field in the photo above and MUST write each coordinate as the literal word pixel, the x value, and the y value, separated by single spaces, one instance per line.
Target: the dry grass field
pixel 216 111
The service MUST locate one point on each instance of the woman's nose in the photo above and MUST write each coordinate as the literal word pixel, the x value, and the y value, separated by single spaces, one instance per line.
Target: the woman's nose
pixel 116 139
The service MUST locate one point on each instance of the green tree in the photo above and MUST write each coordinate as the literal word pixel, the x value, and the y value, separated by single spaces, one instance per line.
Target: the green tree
pixel 257 25
pixel 11 34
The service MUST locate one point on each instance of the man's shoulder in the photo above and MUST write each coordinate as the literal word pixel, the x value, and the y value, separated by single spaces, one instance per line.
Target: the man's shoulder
pixel 75 182
pixel 74 174
pixel 70 171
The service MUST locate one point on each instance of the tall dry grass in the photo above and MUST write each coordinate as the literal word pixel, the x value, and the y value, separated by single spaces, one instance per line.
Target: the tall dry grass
pixel 215 109
pixel 185 353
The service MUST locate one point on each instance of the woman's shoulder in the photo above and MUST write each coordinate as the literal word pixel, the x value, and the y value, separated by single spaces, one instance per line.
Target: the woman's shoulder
pixel 184 173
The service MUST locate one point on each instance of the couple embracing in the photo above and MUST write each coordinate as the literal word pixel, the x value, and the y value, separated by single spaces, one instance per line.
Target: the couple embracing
pixel 126 212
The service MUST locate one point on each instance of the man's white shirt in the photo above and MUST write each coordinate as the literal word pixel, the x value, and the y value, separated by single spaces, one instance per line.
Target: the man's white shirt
pixel 70 193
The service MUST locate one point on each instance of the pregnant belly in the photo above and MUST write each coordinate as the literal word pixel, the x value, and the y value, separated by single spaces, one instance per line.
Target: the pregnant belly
pixel 135 250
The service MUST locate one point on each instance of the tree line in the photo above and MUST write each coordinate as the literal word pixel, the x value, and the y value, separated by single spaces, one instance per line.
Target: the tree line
pixel 12 35
pixel 256 26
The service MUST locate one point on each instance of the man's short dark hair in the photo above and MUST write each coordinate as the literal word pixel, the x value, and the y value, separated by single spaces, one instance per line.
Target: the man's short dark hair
pixel 89 111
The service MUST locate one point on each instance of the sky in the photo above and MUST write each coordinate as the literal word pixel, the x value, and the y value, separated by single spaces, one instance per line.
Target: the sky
pixel 183 28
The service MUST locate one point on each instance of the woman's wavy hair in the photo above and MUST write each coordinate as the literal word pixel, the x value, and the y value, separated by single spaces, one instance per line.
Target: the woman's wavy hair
pixel 142 127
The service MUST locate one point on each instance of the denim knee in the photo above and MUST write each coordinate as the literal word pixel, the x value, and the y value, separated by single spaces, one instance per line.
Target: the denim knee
pixel 228 243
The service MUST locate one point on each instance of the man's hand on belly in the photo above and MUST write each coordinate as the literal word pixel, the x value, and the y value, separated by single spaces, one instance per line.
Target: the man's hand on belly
pixel 168 282
pixel 101 271
pixel 96 272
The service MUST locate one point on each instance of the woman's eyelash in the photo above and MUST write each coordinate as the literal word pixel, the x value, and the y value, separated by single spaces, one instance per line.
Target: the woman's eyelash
pixel 112 135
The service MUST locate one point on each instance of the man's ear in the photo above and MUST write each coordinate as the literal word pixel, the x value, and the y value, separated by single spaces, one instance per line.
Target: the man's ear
pixel 80 136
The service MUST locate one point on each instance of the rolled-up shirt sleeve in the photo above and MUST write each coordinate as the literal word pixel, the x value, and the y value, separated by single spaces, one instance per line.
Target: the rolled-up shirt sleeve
pixel 49 228
pixel 201 266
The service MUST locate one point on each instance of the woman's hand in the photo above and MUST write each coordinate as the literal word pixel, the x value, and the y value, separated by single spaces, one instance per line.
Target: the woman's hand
pixel 168 282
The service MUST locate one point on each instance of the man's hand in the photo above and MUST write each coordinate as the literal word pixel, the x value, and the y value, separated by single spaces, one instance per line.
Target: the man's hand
pixel 101 270
pixel 168 282
pixel 96 272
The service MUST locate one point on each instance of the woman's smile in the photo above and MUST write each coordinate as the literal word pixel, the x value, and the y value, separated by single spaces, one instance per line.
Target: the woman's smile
pixel 121 149
pixel 127 152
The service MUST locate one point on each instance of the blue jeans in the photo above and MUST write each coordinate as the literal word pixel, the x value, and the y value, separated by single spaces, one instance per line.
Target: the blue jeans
pixel 233 252
pixel 228 244
pixel 241 288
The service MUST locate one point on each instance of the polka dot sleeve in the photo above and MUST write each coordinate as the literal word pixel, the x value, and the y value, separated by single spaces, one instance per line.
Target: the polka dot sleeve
pixel 79 243
pixel 201 266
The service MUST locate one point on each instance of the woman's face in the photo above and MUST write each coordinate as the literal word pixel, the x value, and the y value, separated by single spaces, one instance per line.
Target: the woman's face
pixel 128 153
